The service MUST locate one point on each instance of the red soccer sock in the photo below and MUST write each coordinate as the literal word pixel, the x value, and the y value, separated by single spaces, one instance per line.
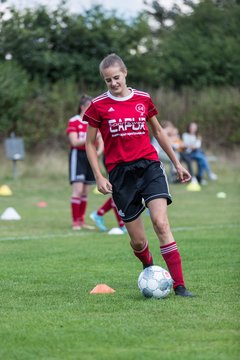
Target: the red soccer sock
pixel 107 206
pixel 172 258
pixel 144 255
pixel 75 205
pixel 119 220
pixel 82 208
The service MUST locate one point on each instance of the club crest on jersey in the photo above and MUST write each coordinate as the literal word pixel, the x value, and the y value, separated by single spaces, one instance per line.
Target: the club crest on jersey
pixel 140 108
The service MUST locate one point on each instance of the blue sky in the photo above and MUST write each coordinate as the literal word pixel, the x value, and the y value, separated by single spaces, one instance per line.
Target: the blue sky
pixel 125 7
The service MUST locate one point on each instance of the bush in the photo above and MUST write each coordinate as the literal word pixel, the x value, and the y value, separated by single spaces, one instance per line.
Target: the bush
pixel 216 110
pixel 46 114
pixel 46 110
pixel 14 90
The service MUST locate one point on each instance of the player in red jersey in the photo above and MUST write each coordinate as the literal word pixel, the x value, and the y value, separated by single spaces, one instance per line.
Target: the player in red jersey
pixel 136 176
pixel 80 172
pixel 98 215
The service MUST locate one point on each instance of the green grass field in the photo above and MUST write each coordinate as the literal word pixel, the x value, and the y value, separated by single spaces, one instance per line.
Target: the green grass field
pixel 47 272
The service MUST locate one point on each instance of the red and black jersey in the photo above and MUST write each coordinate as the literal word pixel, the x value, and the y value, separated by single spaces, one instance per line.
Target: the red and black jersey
pixel 76 124
pixel 122 122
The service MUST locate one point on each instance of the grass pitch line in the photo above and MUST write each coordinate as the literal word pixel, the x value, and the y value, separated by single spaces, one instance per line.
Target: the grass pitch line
pixel 80 233
pixel 208 227
pixel 40 237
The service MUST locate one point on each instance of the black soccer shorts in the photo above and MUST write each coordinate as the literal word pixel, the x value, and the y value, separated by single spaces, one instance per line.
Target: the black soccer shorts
pixel 79 168
pixel 135 184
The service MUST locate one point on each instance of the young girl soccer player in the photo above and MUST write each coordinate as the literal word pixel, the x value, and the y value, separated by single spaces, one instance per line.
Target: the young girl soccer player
pixel 135 172
pixel 80 172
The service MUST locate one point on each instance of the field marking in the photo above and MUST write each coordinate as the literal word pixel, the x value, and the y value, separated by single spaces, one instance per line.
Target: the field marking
pixel 77 234
pixel 208 227
pixel 39 237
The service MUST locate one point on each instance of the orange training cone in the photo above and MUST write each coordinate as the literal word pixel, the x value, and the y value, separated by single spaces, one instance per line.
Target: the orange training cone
pixel 102 289
pixel 41 204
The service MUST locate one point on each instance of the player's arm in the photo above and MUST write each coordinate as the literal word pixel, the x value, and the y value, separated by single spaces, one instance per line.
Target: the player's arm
pixel 74 139
pixel 165 144
pixel 100 145
pixel 103 185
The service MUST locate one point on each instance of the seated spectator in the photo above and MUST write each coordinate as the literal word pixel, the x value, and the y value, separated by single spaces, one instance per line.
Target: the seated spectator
pixel 167 127
pixel 178 147
pixel 193 148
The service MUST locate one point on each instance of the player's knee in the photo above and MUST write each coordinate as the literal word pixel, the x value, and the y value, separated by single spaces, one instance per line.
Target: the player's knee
pixel 161 226
pixel 138 243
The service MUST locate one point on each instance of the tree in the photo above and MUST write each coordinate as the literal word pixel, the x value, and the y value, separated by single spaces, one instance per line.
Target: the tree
pixel 58 45
pixel 202 48
pixel 14 89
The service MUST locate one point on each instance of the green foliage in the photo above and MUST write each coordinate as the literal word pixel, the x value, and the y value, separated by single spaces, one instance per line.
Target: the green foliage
pixel 14 89
pixel 57 45
pixel 202 49
pixel 198 49
pixel 49 58
pixel 46 114
pixel 216 110
pixel 218 113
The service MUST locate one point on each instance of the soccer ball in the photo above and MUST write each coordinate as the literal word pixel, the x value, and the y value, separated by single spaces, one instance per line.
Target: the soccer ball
pixel 156 282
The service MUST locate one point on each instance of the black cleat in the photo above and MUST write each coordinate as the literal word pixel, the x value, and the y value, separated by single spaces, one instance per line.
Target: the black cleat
pixel 147 265
pixel 182 291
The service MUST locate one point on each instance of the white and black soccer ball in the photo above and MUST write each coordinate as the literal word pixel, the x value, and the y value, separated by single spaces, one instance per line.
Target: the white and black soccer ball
pixel 156 282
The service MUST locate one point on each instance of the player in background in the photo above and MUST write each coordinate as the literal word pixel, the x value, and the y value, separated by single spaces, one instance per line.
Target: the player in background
pixel 80 172
pixel 97 216
pixel 135 172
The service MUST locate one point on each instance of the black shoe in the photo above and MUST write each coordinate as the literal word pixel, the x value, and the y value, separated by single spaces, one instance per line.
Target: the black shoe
pixel 147 265
pixel 199 179
pixel 182 291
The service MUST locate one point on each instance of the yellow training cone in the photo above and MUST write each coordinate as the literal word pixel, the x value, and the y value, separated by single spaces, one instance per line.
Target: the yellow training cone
pixel 96 192
pixel 193 185
pixel 5 190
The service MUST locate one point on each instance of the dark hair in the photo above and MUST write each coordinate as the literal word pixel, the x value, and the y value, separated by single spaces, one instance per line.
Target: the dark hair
pixel 189 125
pixel 111 60
pixel 166 123
pixel 83 100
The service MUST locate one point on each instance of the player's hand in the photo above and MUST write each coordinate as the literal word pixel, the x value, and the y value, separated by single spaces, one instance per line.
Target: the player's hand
pixel 104 186
pixel 183 174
